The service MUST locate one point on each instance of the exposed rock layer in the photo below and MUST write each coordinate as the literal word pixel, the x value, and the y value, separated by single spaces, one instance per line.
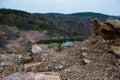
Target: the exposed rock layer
pixel 109 29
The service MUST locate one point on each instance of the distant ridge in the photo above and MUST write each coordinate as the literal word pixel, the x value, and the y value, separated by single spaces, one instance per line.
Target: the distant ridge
pixel 90 14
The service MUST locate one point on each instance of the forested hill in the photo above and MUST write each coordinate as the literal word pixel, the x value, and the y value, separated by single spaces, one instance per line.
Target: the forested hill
pixel 77 23
pixel 71 24
pixel 24 20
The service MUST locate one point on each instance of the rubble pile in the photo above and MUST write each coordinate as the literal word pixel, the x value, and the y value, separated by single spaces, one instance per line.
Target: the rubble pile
pixel 96 58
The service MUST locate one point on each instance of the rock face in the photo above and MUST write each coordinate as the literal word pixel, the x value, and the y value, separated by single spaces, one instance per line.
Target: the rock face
pixel 114 23
pixel 33 76
pixel 35 36
pixel 109 29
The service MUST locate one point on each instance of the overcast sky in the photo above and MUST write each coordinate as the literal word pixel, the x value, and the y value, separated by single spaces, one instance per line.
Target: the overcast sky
pixel 111 7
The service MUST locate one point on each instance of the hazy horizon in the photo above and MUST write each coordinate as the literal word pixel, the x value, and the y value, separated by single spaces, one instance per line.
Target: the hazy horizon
pixel 109 7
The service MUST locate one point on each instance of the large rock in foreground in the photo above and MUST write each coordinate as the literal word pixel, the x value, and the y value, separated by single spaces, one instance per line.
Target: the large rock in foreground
pixel 109 29
pixel 36 49
pixel 33 76
pixel 33 66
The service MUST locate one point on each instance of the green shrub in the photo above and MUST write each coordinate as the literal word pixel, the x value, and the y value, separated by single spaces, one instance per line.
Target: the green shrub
pixel 59 47
pixel 50 45
pixel 29 49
